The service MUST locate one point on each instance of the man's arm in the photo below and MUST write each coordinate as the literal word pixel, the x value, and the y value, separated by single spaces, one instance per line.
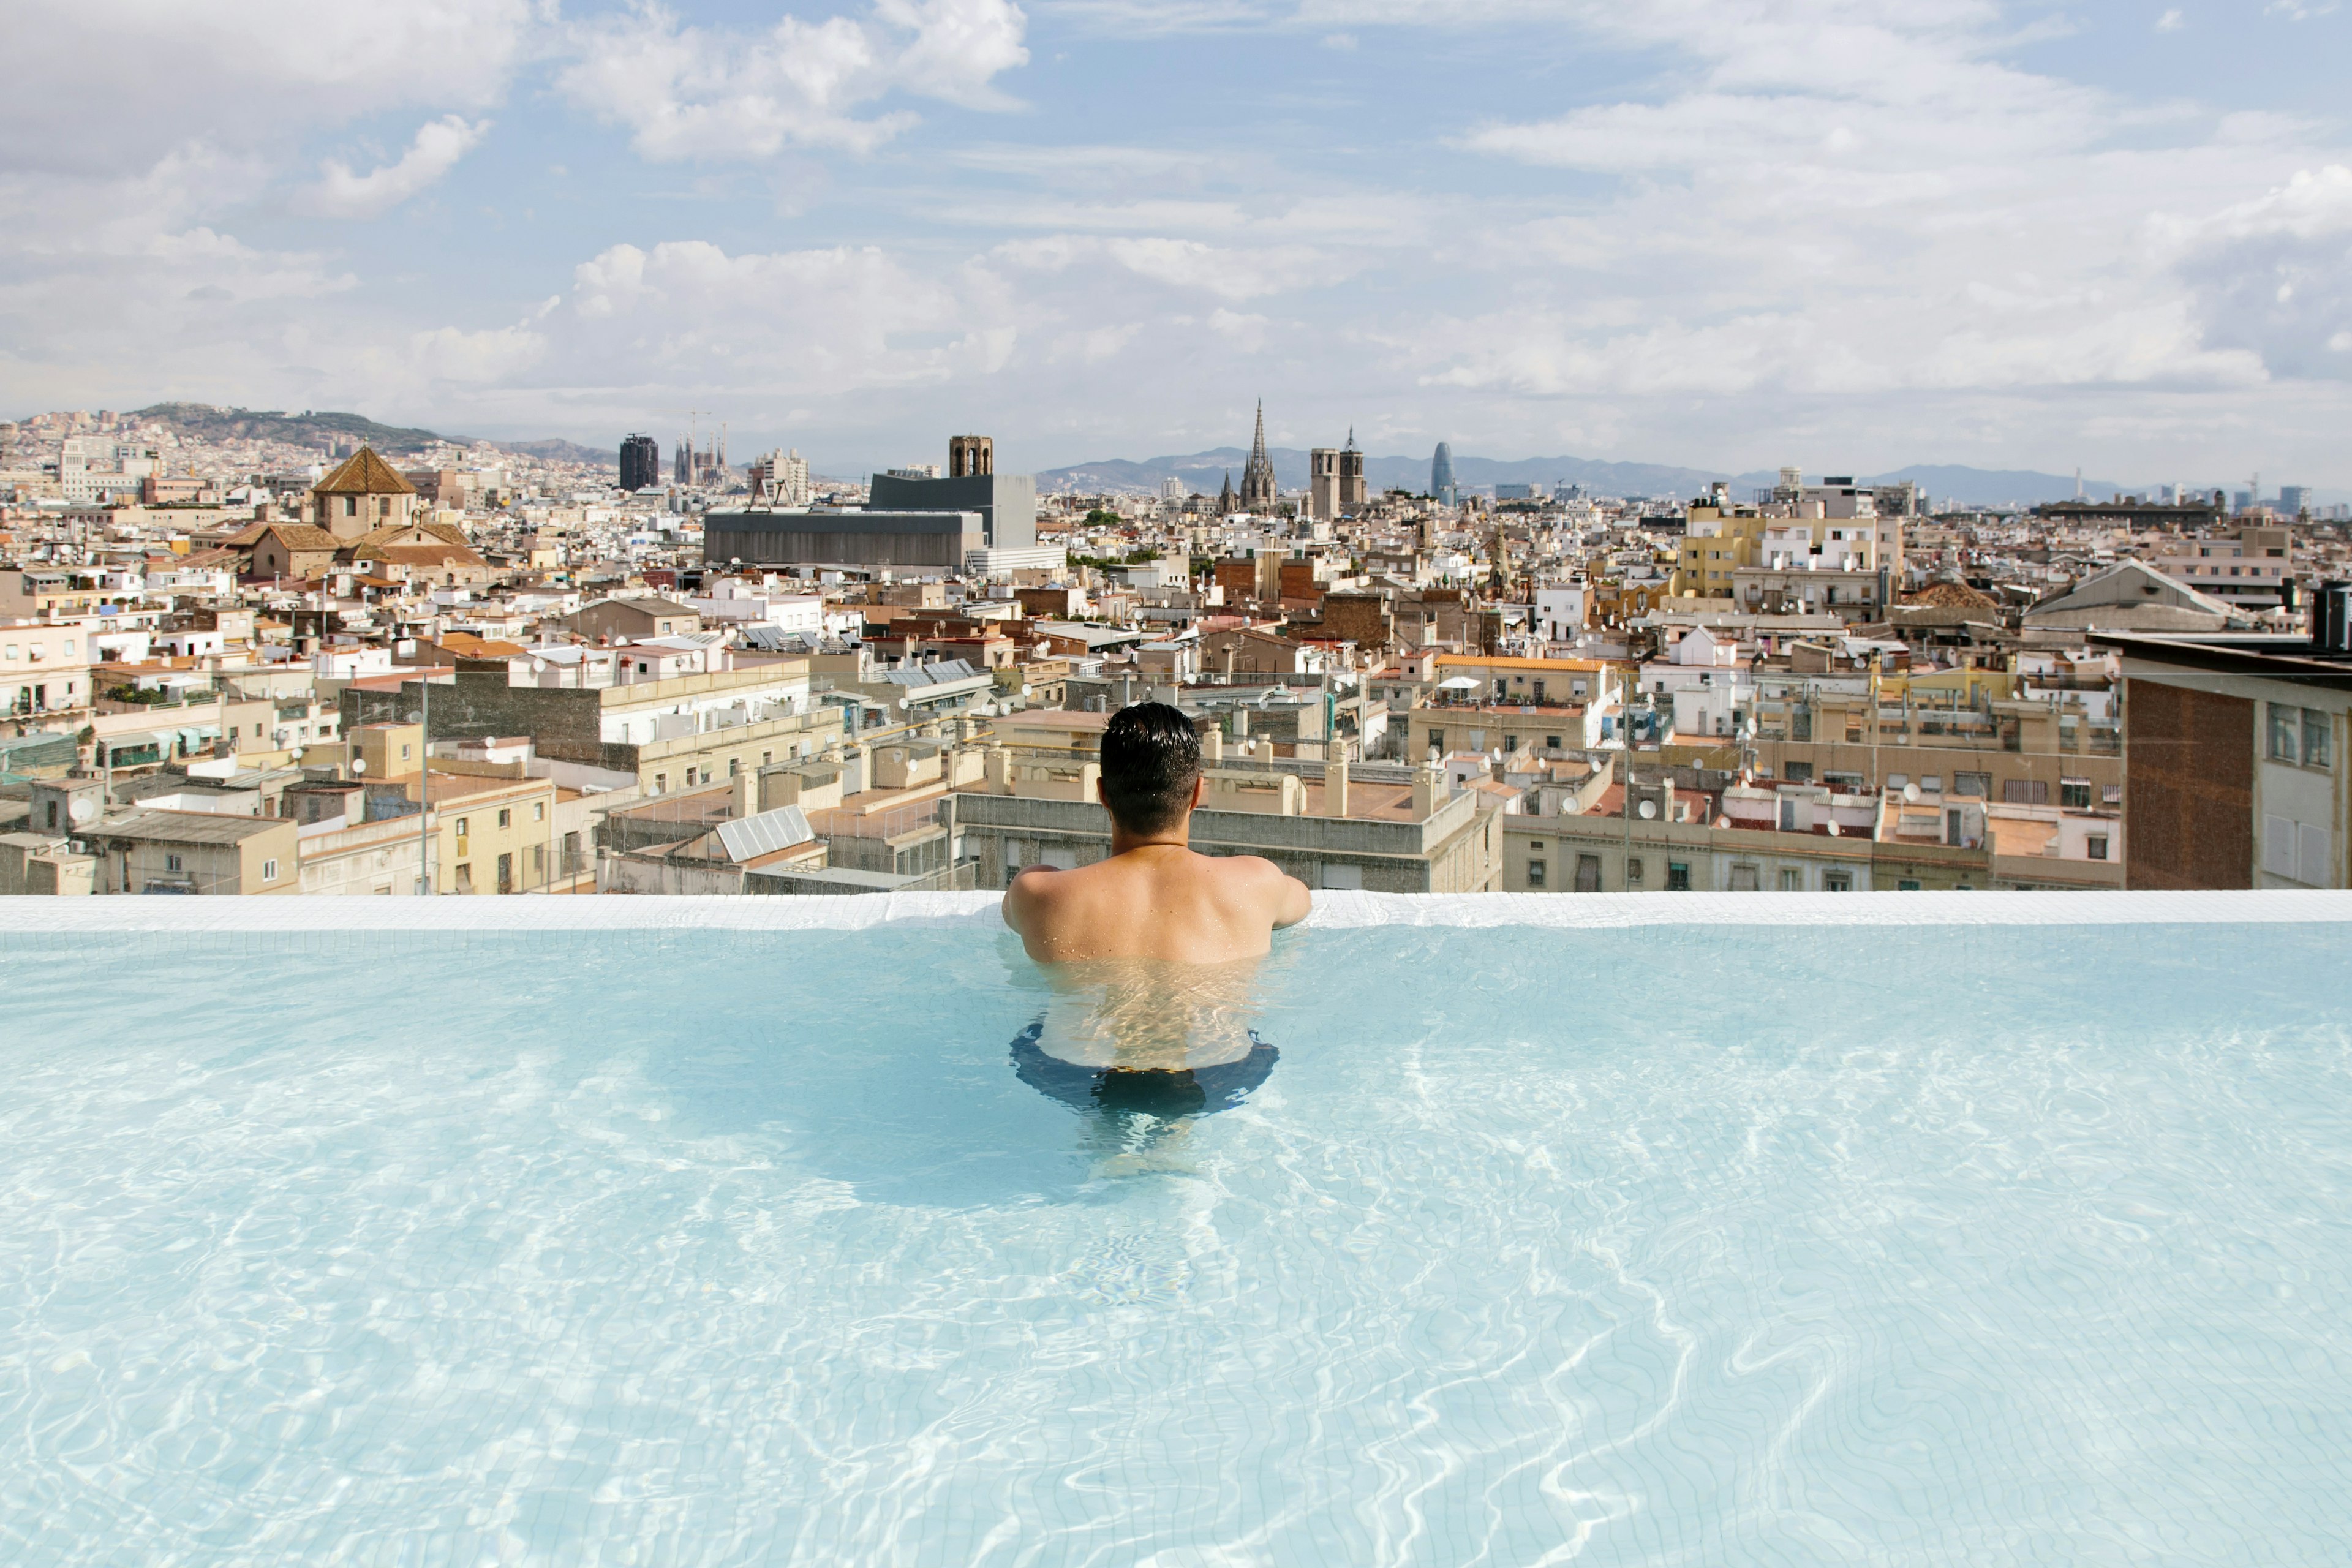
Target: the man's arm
pixel 1286 899
pixel 1022 898
pixel 1293 902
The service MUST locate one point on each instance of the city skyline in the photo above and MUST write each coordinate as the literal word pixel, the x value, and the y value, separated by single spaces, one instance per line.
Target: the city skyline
pixel 1961 235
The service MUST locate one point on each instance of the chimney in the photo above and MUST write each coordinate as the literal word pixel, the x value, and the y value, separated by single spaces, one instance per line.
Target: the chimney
pixel 747 795
pixel 1335 787
pixel 1426 783
pixel 1213 747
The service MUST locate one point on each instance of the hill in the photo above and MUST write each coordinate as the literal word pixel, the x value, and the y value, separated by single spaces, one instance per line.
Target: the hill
pixel 320 427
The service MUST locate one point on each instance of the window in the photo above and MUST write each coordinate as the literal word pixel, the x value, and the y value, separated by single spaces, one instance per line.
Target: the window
pixel 1678 875
pixel 1535 873
pixel 766 758
pixel 1791 880
pixel 2112 794
pixel 2096 845
pixel 1907 884
pixel 2074 794
pixel 1551 742
pixel 171 862
pixel 462 828
pixel 538 811
pixel 2285 725
pixel 269 870
pixel 1933 784
pixel 1744 879
pixel 1633 872
pixel 404 751
pixel 1897 781
pixel 1837 881
pixel 661 783
pixel 2318 739
pixel 1801 773
pixel 2025 792
pixel 734 767
pixel 1972 783
pixel 506 816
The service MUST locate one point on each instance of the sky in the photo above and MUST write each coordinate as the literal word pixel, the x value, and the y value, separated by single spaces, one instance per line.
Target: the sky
pixel 1846 234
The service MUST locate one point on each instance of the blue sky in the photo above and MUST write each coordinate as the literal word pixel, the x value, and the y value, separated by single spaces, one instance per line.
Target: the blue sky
pixel 1844 234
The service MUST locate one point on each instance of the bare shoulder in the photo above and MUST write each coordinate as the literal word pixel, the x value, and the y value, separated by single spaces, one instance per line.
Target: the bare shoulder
pixel 1026 893
pixel 1283 897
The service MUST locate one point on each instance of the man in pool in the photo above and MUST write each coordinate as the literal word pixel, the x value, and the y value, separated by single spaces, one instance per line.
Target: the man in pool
pixel 1153 952
pixel 1153 898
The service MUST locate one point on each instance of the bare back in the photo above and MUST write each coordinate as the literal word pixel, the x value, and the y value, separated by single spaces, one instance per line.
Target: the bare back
pixel 1154 900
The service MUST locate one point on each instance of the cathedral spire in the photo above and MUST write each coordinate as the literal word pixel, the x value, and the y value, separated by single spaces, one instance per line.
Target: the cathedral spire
pixel 1259 493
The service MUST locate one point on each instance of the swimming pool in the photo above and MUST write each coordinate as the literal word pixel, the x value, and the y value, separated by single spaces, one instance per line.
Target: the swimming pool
pixel 1890 1229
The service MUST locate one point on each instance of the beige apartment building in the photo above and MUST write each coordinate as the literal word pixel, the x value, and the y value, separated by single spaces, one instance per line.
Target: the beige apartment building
pixel 204 853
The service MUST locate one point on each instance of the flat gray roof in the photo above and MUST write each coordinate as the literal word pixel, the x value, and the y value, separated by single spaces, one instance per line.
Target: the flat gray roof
pixel 191 826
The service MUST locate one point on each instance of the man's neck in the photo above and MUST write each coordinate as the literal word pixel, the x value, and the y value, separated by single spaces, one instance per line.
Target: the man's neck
pixel 1176 838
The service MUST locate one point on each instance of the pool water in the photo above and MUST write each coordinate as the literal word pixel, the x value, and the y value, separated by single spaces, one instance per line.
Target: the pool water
pixel 1662 1246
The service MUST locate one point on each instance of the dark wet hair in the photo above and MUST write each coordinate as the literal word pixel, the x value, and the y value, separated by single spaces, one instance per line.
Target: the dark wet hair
pixel 1150 755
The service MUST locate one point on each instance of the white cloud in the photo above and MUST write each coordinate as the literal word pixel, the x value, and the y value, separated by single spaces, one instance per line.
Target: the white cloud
pixel 686 91
pixel 2172 21
pixel 439 143
pixel 122 83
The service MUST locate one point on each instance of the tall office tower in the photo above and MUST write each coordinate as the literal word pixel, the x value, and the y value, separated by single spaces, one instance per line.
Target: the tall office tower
pixel 640 463
pixel 1441 475
pixel 685 464
pixel 971 456
pixel 1259 493
pixel 1352 493
pixel 2293 498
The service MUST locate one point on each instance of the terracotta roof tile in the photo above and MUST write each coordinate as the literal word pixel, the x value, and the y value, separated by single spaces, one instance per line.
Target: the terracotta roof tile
pixel 365 473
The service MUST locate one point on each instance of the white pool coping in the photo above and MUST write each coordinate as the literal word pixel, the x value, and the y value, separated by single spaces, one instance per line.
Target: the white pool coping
pixel 1335 910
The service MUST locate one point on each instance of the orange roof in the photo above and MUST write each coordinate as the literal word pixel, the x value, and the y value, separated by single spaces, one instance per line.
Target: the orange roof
pixel 1482 662
pixel 365 473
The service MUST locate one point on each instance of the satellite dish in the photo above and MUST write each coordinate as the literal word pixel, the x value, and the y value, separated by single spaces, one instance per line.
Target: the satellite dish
pixel 1911 792
pixel 359 766
pixel 1834 830
pixel 80 809
pixel 1649 808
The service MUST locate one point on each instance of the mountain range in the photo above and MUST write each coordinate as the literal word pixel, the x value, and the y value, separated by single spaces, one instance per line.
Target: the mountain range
pixel 1206 471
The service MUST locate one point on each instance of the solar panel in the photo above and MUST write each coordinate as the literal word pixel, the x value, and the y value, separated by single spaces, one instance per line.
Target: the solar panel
pixel 749 838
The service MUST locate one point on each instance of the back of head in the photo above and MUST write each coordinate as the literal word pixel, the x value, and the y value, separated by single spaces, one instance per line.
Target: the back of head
pixel 1150 757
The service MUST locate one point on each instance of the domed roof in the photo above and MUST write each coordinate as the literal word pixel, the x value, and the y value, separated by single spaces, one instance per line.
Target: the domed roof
pixel 363 473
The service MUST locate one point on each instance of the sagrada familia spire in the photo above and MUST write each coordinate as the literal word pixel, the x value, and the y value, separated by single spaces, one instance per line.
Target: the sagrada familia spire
pixel 1258 493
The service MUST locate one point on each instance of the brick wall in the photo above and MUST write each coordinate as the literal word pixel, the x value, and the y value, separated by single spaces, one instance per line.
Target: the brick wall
pixel 2188 809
